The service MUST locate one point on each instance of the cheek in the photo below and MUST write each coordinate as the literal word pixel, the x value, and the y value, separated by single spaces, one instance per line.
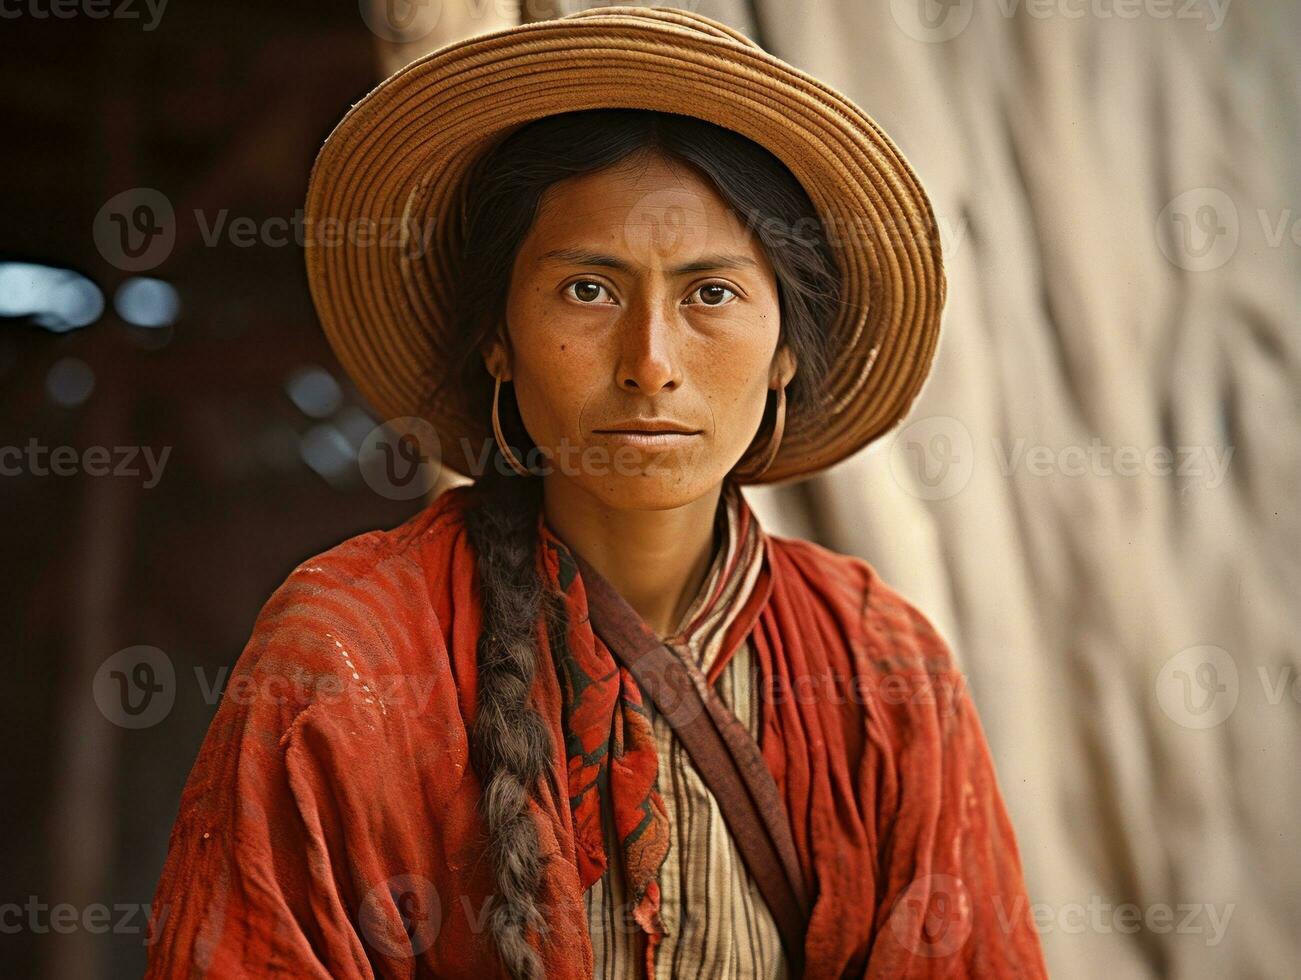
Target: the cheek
pixel 735 376
pixel 535 361
pixel 554 379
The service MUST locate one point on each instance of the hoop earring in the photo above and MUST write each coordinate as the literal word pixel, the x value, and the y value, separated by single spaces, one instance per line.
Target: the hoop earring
pixel 505 450
pixel 775 437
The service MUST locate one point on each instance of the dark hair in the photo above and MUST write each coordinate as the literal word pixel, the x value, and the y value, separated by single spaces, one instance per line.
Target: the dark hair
pixel 510 746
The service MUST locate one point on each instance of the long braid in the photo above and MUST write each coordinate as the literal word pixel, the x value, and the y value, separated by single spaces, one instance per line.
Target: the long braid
pixel 510 746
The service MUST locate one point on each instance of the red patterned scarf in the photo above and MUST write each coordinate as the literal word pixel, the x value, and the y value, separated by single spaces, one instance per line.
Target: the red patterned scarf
pixel 608 735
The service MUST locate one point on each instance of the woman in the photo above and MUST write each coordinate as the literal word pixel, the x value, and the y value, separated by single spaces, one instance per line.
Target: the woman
pixel 457 749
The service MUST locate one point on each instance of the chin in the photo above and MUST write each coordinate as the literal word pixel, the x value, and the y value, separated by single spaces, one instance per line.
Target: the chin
pixel 624 478
pixel 663 490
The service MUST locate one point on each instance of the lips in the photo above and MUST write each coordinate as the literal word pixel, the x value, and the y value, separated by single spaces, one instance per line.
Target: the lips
pixel 661 439
pixel 646 433
pixel 651 427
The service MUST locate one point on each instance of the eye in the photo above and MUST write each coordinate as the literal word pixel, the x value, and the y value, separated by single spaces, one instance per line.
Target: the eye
pixel 586 291
pixel 710 294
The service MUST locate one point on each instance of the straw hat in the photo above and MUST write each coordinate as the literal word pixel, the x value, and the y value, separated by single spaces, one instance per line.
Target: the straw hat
pixel 383 225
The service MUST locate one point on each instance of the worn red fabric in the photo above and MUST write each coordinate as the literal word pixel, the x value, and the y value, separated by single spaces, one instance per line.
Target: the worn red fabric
pixel 329 827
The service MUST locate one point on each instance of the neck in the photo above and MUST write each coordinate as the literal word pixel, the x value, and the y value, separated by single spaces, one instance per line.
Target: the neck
pixel 656 559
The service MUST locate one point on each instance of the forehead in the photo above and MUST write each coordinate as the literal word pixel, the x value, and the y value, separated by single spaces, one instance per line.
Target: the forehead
pixel 650 211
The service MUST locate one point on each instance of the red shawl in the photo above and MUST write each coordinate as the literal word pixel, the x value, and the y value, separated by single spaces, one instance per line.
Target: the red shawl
pixel 330 828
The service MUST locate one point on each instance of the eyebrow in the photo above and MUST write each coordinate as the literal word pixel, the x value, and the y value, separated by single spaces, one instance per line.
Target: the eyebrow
pixel 579 256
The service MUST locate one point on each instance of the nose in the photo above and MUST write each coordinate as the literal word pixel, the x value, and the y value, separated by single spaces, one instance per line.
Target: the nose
pixel 648 360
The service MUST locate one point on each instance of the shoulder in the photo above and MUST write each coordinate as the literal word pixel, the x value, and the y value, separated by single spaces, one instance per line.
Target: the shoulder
pixel 347 646
pixel 914 695
pixel 364 605
pixel 890 632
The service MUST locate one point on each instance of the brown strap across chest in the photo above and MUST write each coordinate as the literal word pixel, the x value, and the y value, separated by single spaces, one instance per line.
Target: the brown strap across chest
pixel 723 751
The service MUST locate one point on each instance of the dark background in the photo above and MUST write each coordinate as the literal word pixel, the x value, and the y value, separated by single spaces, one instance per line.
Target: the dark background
pixel 220 108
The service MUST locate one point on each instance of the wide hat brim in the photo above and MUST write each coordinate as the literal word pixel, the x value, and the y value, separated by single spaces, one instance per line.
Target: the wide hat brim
pixel 383 229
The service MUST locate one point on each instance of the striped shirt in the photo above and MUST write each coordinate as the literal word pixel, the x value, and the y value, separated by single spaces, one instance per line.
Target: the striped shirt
pixel 716 922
